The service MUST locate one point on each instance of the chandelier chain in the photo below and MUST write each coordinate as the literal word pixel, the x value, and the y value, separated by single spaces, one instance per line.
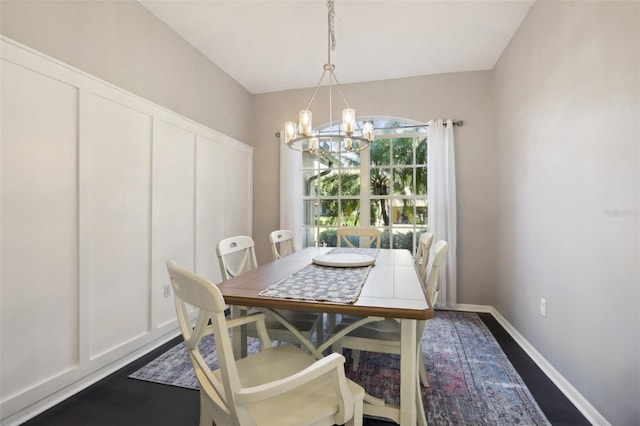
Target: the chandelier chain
pixel 332 34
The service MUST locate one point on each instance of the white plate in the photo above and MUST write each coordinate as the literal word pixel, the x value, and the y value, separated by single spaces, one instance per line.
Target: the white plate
pixel 344 260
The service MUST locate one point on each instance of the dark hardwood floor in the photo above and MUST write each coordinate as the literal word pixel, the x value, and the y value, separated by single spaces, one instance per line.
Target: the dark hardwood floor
pixel 118 400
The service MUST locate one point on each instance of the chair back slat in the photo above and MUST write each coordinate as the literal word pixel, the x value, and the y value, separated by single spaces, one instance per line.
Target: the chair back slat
pixel 236 255
pixel 439 258
pixel 282 243
pixel 367 237
pixel 422 254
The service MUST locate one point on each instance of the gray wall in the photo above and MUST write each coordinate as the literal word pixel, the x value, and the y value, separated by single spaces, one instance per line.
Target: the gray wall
pixel 547 161
pixel 465 96
pixel 567 130
pixel 123 43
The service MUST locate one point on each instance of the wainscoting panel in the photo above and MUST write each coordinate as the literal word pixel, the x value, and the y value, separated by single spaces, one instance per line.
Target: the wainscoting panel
pixel 239 194
pixel 119 178
pixel 39 277
pixel 211 183
pixel 99 189
pixel 173 210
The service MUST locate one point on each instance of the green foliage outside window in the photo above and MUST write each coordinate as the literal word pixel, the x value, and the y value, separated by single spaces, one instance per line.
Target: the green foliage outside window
pixel 396 197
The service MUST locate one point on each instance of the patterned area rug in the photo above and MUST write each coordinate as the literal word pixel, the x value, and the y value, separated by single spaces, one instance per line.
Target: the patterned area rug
pixel 472 381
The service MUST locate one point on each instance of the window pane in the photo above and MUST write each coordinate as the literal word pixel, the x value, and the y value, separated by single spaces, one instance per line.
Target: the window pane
pixel 421 212
pixel 327 237
pixel 310 210
pixel 327 214
pixel 421 180
pixel 379 181
pixel 350 212
pixel 379 212
pixel 310 183
pixel 402 238
pixel 402 151
pixel 309 237
pixel 385 242
pixel 403 181
pixel 350 159
pixel 351 183
pixel 380 152
pixel 421 151
pixel 328 183
pixel 403 212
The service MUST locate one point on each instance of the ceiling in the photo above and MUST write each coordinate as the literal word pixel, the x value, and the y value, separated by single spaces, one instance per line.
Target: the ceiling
pixel 270 46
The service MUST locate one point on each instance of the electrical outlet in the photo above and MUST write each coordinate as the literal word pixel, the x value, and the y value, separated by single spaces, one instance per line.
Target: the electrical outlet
pixel 167 290
pixel 543 307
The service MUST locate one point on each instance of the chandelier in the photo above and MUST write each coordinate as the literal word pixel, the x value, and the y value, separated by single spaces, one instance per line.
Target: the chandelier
pixel 351 137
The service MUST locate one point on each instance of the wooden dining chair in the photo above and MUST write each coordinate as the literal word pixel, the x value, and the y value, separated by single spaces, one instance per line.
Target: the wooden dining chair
pixel 365 237
pixel 384 336
pixel 281 385
pixel 422 254
pixel 282 243
pixel 236 255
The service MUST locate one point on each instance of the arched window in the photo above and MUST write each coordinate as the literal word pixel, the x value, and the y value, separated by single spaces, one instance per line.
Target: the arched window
pixel 384 186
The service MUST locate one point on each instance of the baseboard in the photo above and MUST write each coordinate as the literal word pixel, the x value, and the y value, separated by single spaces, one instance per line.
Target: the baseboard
pixel 50 401
pixel 565 387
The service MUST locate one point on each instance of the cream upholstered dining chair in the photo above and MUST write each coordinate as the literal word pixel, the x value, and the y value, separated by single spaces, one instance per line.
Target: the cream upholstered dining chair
pixel 280 385
pixel 367 237
pixel 282 243
pixel 384 336
pixel 422 254
pixel 236 256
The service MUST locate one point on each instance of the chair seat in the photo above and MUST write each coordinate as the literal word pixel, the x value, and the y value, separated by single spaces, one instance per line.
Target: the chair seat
pixel 304 322
pixel 294 407
pixel 385 330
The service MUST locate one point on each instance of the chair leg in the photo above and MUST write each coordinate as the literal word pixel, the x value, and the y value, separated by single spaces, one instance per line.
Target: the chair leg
pixel 358 410
pixel 206 411
pixel 422 417
pixel 355 355
pixel 422 371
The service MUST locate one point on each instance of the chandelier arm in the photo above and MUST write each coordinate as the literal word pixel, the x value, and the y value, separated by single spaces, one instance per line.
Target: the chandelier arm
pixel 316 89
pixel 340 89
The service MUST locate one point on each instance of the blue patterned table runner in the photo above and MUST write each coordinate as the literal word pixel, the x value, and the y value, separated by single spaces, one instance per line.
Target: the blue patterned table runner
pixel 323 283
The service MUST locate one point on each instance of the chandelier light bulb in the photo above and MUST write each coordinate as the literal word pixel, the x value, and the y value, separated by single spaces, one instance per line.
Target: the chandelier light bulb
pixel 367 129
pixel 348 120
pixel 290 131
pixel 305 122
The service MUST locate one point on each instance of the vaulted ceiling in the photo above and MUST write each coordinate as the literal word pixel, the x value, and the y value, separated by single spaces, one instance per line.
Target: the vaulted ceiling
pixel 270 46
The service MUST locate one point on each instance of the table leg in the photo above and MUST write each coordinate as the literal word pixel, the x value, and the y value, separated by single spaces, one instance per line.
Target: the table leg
pixel 408 374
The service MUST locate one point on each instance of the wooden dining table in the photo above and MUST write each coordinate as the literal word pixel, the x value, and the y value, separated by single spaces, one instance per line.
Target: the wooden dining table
pixel 392 289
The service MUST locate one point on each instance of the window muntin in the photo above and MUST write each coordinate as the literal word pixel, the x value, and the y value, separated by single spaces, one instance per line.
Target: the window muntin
pixel 384 186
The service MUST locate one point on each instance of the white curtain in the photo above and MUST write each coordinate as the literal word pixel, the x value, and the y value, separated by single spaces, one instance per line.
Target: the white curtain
pixel 442 202
pixel 291 191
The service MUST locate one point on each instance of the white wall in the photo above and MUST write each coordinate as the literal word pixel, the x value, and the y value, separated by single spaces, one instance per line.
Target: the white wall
pixel 567 139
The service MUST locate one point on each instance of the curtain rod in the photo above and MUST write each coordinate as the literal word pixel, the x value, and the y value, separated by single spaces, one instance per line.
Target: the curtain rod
pixel 458 123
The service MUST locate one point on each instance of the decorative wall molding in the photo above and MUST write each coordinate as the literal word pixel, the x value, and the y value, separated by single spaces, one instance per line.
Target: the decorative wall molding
pixel 103 188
